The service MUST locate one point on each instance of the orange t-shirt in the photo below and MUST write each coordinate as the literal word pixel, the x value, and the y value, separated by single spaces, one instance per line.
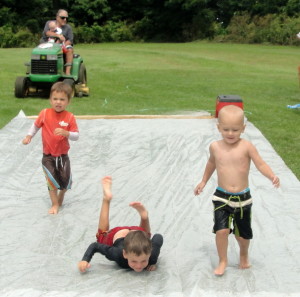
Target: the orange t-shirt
pixel 49 120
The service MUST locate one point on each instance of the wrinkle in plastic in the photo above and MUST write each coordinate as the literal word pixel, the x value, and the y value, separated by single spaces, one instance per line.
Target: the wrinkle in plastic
pixel 157 162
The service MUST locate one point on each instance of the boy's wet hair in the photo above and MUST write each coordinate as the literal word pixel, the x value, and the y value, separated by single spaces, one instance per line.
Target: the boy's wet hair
pixel 138 243
pixel 62 87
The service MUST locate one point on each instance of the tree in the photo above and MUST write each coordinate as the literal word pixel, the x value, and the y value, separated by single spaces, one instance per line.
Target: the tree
pixel 89 11
pixel 177 20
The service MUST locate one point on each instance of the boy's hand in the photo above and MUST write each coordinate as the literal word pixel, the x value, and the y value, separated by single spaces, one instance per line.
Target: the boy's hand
pixel 151 268
pixel 199 188
pixel 61 37
pixel 27 139
pixel 83 266
pixel 61 132
pixel 276 181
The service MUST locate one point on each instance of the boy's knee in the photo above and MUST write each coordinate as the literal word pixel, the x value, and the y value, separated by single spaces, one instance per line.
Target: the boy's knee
pixel 223 232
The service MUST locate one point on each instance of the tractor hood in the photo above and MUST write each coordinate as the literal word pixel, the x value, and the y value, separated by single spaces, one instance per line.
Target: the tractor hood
pixel 47 48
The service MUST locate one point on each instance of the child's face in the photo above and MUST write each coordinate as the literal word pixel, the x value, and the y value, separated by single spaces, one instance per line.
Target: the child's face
pixel 59 101
pixel 52 27
pixel 137 263
pixel 231 130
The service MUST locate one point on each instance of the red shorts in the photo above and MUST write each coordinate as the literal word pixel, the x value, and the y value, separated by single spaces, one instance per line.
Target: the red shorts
pixel 65 48
pixel 106 237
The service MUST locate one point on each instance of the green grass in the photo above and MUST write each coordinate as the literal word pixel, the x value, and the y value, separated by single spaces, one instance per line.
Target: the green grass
pixel 134 78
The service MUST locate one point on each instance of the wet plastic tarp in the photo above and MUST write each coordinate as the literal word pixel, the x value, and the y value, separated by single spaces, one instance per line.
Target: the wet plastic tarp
pixel 158 162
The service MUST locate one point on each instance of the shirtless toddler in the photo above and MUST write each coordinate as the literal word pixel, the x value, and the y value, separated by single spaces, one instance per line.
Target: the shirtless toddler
pixel 231 158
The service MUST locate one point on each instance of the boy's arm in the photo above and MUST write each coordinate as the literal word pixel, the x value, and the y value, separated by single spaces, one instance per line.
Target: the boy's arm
pixel 262 166
pixel 157 242
pixel 110 252
pixel 68 134
pixel 73 136
pixel 93 248
pixel 72 133
pixel 209 170
pixel 32 131
pixel 88 255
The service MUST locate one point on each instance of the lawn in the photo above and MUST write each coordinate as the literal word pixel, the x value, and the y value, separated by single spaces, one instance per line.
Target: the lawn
pixel 159 78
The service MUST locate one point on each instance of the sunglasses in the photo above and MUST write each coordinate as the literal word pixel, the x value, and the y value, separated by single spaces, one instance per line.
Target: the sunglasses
pixel 63 17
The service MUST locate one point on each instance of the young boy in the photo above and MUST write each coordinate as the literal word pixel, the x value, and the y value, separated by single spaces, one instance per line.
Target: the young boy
pixel 58 126
pixel 130 247
pixel 231 158
pixel 56 30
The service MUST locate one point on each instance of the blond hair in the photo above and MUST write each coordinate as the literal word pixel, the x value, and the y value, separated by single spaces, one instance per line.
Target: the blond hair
pixel 231 111
pixel 52 25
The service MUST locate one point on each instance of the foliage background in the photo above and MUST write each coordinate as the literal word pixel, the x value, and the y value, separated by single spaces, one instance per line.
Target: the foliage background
pixel 94 21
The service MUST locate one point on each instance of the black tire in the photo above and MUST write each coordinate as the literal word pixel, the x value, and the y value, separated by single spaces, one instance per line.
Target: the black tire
pixel 21 87
pixel 71 83
pixel 82 79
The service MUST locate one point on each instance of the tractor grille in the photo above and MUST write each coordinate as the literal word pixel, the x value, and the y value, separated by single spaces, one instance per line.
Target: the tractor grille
pixel 43 67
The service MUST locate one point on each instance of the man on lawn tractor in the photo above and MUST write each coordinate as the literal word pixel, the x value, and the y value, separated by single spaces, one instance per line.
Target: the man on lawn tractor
pixel 53 60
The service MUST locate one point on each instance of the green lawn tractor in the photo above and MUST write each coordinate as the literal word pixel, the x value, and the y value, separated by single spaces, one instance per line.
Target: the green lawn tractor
pixel 47 67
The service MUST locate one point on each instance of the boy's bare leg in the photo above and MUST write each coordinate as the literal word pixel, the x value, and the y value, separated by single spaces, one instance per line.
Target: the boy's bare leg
pixel 55 204
pixel 143 214
pixel 107 196
pixel 61 196
pixel 222 245
pixel 244 247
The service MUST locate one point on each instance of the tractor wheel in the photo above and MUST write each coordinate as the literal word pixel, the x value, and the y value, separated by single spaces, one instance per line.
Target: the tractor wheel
pixel 71 83
pixel 82 74
pixel 21 87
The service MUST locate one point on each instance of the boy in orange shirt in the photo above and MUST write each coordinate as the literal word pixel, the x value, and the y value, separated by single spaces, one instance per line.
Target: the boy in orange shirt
pixel 58 126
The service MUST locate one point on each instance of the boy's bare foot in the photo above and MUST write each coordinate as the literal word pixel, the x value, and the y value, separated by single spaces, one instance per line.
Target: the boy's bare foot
pixel 219 271
pixel 141 209
pixel 54 209
pixel 106 185
pixel 244 263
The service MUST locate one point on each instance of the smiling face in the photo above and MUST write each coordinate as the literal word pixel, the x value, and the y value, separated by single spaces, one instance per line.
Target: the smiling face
pixel 61 17
pixel 137 263
pixel 59 101
pixel 231 123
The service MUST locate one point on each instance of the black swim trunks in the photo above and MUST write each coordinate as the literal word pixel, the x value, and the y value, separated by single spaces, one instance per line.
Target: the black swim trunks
pixel 233 210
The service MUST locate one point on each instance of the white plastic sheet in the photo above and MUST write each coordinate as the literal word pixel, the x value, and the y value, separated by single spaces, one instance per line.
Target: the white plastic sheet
pixel 158 162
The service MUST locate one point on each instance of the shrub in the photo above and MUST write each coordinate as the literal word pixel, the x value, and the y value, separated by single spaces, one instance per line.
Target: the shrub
pixel 84 34
pixel 111 31
pixel 122 32
pixel 275 29
pixel 23 38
